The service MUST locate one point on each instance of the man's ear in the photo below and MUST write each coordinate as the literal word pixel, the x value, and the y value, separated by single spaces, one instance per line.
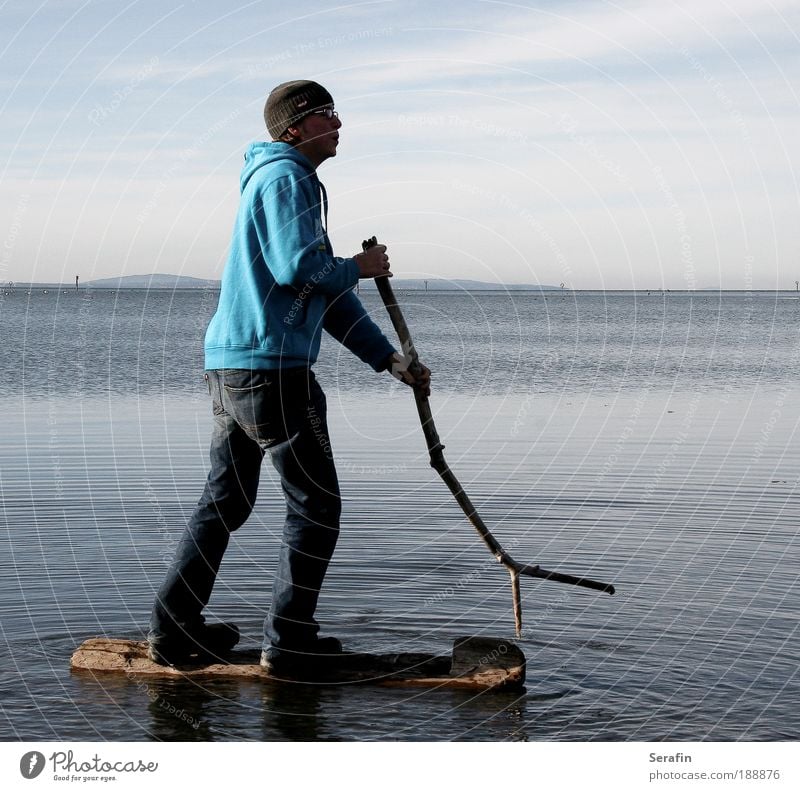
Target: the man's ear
pixel 291 135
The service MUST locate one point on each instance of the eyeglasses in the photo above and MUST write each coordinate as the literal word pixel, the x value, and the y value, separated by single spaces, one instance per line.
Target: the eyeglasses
pixel 328 112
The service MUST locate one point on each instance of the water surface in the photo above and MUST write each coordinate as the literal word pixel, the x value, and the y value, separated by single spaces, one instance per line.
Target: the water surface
pixel 645 440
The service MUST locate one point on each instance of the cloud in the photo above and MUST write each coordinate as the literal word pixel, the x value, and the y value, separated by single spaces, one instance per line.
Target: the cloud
pixel 594 31
pixel 557 41
pixel 560 113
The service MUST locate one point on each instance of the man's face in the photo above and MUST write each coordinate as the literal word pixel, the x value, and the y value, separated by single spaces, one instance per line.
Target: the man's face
pixel 318 136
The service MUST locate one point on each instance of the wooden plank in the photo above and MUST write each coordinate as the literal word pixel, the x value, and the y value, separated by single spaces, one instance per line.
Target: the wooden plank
pixel 476 663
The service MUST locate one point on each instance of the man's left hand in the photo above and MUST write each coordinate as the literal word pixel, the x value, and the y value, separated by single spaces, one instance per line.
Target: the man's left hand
pixel 399 367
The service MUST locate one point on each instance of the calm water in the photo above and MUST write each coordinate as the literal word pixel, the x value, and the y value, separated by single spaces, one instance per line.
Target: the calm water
pixel 646 440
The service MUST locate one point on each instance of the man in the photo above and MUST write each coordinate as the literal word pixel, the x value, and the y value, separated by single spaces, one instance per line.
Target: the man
pixel 281 287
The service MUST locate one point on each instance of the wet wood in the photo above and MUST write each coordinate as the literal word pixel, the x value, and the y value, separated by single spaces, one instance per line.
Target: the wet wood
pixel 478 663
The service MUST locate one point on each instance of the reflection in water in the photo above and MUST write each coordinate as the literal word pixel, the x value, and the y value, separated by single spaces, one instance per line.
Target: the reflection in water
pixel 178 710
pixel 295 712
pixel 218 710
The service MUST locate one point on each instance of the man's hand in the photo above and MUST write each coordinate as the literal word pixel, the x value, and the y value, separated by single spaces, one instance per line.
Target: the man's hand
pixel 399 367
pixel 373 262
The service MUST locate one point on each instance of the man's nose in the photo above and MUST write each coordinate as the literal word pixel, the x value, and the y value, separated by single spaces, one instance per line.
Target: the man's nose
pixel 337 122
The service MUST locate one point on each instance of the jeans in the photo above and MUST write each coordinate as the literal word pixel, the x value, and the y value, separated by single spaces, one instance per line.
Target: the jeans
pixel 281 413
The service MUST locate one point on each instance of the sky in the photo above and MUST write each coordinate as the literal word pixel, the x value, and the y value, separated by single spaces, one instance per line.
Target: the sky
pixel 597 145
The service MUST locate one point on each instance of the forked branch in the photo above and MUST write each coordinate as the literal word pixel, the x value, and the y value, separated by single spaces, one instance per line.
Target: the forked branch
pixel 436 452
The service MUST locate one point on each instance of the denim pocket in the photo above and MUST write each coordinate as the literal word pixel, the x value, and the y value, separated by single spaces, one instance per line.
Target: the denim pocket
pixel 256 405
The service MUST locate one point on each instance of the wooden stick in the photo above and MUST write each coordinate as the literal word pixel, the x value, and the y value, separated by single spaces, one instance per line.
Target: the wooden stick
pixel 436 452
pixel 516 601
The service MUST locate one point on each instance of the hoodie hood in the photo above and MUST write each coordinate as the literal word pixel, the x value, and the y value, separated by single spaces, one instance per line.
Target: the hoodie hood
pixel 260 154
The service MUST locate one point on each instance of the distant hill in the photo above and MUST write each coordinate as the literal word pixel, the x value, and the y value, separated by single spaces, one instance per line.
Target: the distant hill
pixel 151 281
pixel 182 281
pixel 159 281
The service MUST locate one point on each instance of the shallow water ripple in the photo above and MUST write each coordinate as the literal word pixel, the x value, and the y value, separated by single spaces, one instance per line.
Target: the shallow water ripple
pixel 696 528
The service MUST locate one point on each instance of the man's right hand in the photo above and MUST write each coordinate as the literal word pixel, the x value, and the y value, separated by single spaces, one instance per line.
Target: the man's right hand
pixel 373 262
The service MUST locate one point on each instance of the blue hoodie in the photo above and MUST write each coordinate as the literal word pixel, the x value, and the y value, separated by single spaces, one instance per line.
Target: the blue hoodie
pixel 282 284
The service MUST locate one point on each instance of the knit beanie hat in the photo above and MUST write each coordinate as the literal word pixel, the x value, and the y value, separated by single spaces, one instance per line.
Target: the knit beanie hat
pixel 290 102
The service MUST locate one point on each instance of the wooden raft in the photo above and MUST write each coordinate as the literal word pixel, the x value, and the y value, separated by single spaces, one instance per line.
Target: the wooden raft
pixel 477 663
